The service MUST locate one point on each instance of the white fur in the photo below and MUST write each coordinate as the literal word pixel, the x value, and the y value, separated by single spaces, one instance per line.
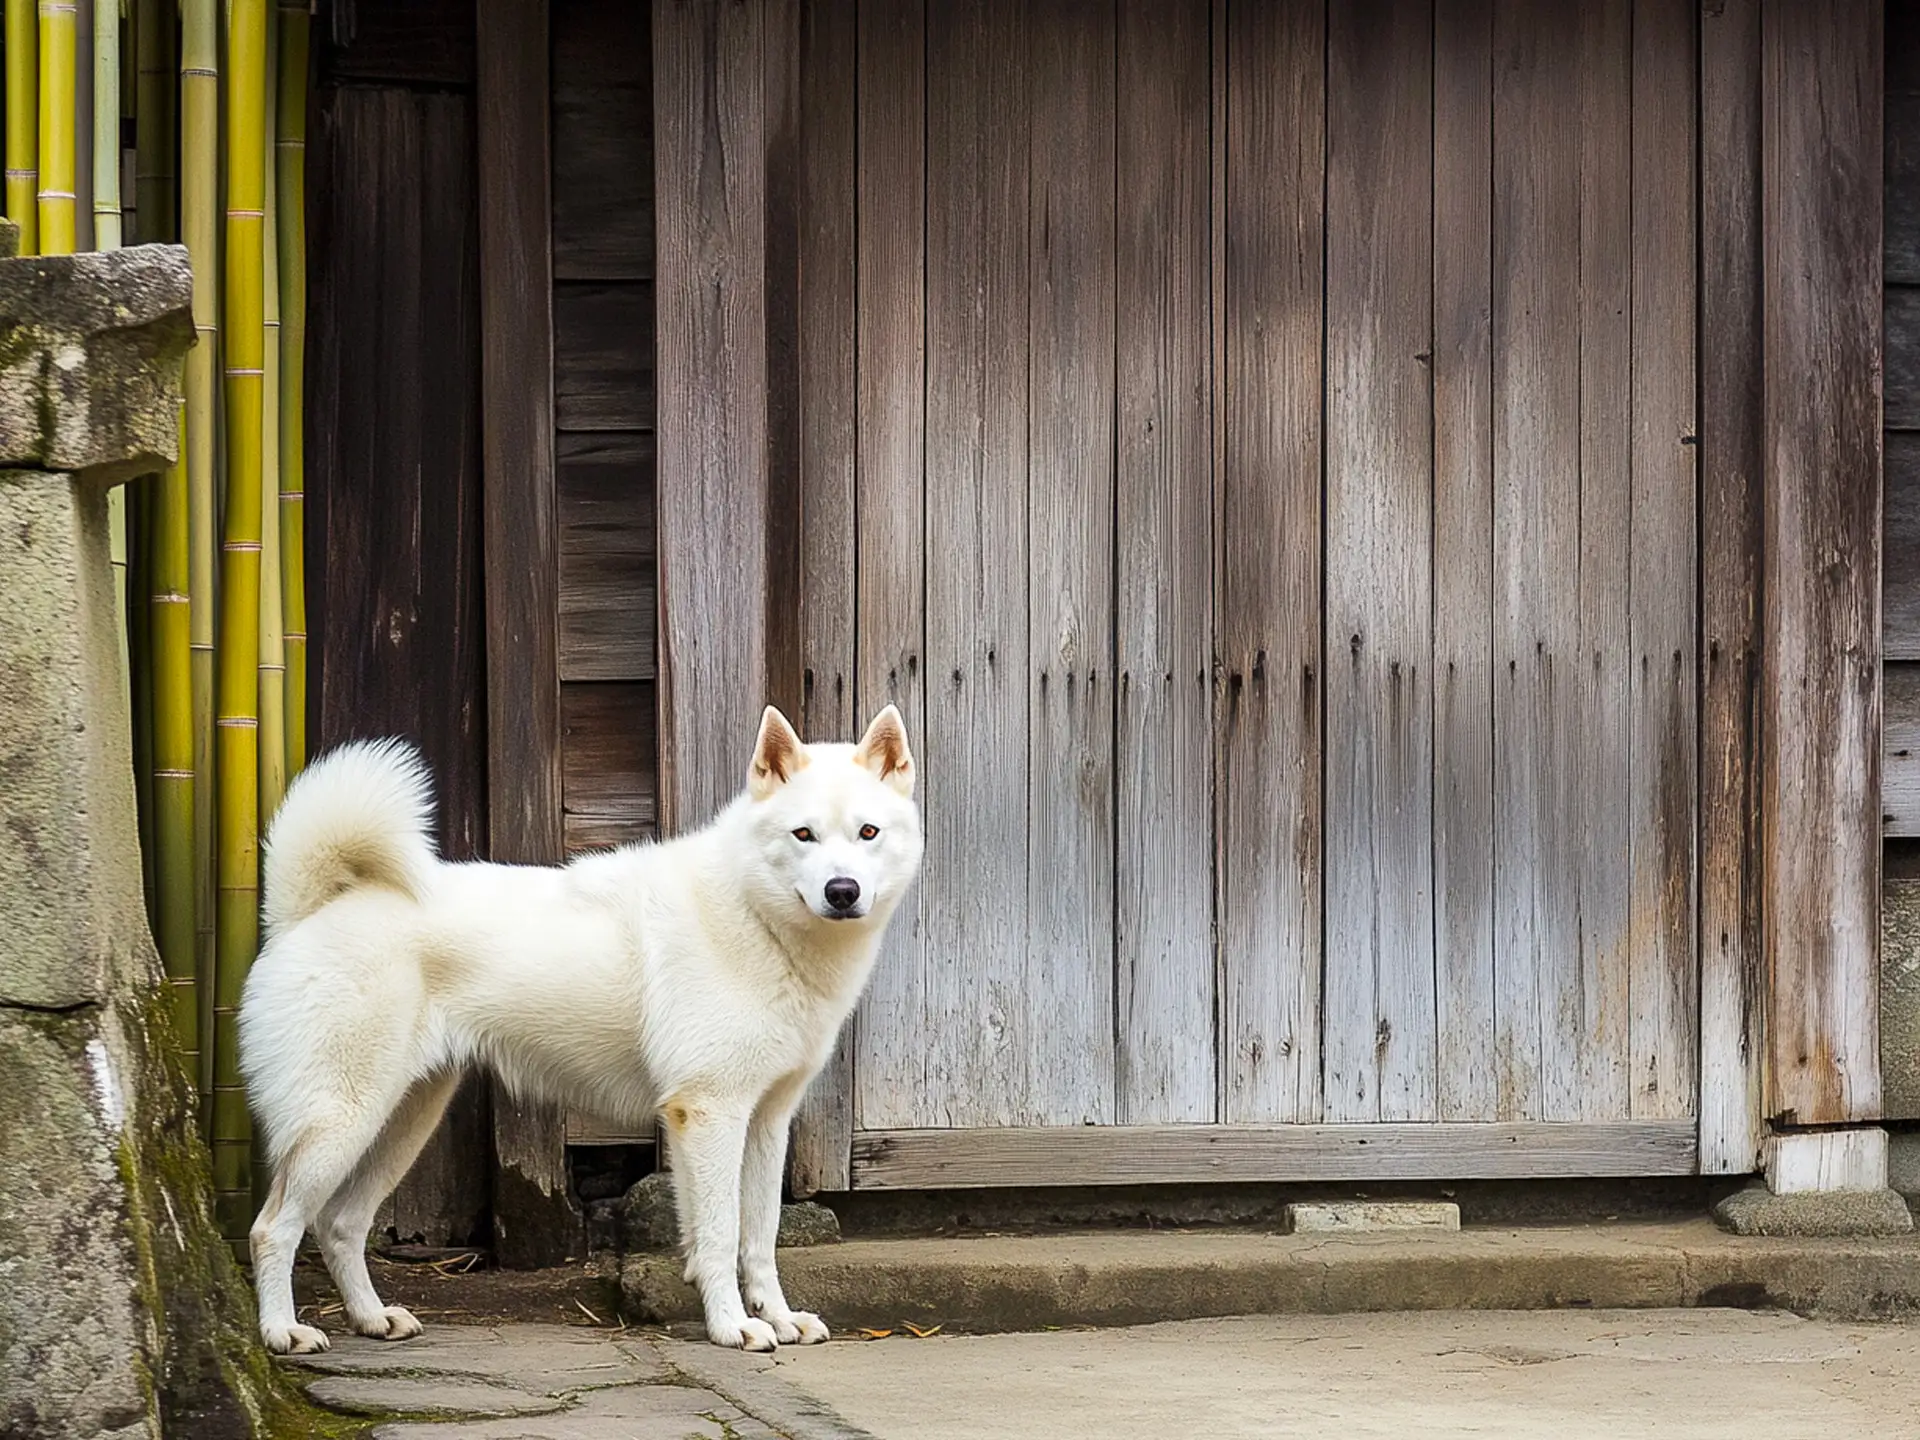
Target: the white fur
pixel 703 980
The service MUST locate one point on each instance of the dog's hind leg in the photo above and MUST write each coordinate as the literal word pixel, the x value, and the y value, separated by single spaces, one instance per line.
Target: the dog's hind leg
pixel 708 1147
pixel 343 1224
pixel 313 1167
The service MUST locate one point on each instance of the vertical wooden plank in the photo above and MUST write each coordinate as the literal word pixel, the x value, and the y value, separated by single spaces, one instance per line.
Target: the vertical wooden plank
pixel 533 1219
pixel 710 180
pixel 975 775
pixel 891 1030
pixel 1536 458
pixel 1070 709
pixel 1380 1016
pixel 817 138
pixel 1165 1060
pixel 1463 836
pixel 1664 982
pixel 1585 1030
pixel 1820 780
pixel 1268 638
pixel 1733 1000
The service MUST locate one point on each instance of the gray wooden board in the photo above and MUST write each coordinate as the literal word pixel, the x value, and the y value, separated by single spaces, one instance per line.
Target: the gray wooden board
pixel 1381 1046
pixel 603 354
pixel 1900 549
pixel 815 145
pixel 1900 775
pixel 607 603
pixel 602 140
pixel 1069 584
pixel 1165 1060
pixel 1663 983
pixel 1820 785
pixel 891 1035
pixel 1463 839
pixel 611 753
pixel 1182 1154
pixel 1732 978
pixel 1901 241
pixel 1585 681
pixel 976 787
pixel 710 180
pixel 1536 457
pixel 1268 708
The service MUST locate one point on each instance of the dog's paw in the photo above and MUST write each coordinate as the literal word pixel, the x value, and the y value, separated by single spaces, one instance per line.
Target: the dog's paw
pixel 801 1327
pixel 294 1339
pixel 745 1334
pixel 393 1322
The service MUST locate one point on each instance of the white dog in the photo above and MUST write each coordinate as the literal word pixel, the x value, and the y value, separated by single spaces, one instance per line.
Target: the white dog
pixel 702 980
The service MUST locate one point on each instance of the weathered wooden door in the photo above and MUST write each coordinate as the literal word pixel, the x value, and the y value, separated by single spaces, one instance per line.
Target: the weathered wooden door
pixel 1255 444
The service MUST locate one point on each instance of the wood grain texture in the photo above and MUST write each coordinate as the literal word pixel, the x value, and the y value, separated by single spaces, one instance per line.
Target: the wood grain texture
pixel 1901 237
pixel 1183 1154
pixel 891 1034
pixel 816 137
pixel 1900 549
pixel 1165 1062
pixel 610 747
pixel 1732 973
pixel 1070 687
pixel 395 602
pixel 710 180
pixel 1821 202
pixel 1902 320
pixel 975 785
pixel 1900 773
pixel 1586 683
pixel 423 42
pixel 534 1222
pixel 1536 458
pixel 1379 1014
pixel 1463 740
pixel 1268 707
pixel 602 140
pixel 607 602
pixel 1663 982
pixel 603 355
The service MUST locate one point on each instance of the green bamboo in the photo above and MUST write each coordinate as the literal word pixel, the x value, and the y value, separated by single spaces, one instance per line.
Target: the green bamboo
pixel 23 122
pixel 58 27
pixel 156 138
pixel 140 676
pixel 200 228
pixel 106 124
pixel 237 777
pixel 290 177
pixel 272 699
pixel 171 647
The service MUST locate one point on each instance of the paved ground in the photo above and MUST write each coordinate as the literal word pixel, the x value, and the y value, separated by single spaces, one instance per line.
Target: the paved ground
pixel 1675 1374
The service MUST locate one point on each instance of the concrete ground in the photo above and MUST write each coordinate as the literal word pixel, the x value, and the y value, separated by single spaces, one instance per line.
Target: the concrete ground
pixel 1677 1374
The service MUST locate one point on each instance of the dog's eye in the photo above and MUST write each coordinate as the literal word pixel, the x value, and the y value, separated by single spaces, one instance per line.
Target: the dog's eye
pixel 869 832
pixel 803 834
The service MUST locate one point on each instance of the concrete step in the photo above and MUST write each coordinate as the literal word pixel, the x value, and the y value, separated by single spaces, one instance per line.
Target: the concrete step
pixel 1006 1283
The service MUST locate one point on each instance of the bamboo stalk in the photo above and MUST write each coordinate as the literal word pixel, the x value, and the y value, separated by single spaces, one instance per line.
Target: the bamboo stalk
pixel 58 24
pixel 157 103
pixel 272 698
pixel 199 227
pixel 23 122
pixel 140 675
pixel 237 777
pixel 171 647
pixel 83 128
pixel 290 177
pixel 106 124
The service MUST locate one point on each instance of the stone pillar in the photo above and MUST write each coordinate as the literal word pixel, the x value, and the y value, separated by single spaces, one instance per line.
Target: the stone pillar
pixel 121 1311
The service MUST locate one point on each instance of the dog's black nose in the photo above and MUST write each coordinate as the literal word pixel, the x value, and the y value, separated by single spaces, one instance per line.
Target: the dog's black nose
pixel 842 893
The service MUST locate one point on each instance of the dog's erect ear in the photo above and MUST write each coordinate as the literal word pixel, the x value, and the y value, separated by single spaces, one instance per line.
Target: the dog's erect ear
pixel 883 750
pixel 778 755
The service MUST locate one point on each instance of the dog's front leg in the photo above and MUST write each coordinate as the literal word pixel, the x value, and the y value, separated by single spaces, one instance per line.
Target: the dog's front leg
pixel 708 1147
pixel 760 1208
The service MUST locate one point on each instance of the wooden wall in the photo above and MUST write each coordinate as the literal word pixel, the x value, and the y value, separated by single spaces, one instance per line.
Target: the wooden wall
pixel 1900 604
pixel 393 463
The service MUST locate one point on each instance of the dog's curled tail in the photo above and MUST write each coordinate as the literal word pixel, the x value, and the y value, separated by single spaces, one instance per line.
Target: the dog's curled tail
pixel 359 815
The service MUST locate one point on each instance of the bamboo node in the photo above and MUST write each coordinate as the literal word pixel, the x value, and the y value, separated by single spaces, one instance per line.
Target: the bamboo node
pixel 23 175
pixel 246 214
pixel 237 722
pixel 235 370
pixel 173 775
pixel 241 547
